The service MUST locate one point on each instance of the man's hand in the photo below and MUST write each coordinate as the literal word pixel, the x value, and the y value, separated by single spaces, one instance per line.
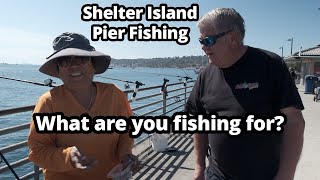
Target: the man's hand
pixel 292 142
pixel 80 161
pixel 200 148
pixel 198 173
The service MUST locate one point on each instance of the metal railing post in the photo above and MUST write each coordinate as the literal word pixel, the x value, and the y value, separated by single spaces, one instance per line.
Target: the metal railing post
pixel 185 93
pixel 164 96
pixel 37 172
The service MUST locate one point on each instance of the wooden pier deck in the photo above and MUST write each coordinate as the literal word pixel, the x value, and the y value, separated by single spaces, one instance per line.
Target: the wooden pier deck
pixel 168 165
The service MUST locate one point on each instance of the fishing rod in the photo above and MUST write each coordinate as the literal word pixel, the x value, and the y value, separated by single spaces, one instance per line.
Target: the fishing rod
pixel 165 81
pixel 126 86
pixel 179 67
pixel 164 87
pixel 7 163
pixel 47 82
pixel 135 91
pixel 185 77
pixel 131 82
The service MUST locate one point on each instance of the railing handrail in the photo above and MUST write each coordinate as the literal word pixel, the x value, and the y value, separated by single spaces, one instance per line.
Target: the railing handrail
pixel 16 110
pixel 154 87
pixel 10 111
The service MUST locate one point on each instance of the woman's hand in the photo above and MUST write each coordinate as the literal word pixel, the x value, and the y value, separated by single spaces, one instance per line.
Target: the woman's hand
pixel 80 161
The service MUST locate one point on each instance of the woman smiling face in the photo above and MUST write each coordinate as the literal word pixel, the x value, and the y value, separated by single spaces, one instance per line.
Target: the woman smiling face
pixel 76 71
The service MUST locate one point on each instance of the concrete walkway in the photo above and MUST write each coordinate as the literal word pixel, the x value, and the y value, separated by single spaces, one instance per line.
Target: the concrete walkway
pixel 179 165
pixel 309 165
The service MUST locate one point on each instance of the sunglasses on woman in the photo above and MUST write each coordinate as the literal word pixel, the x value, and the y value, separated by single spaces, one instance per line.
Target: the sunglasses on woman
pixel 211 40
pixel 66 61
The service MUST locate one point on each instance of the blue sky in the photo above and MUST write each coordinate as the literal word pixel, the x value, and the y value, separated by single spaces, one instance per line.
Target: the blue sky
pixel 28 28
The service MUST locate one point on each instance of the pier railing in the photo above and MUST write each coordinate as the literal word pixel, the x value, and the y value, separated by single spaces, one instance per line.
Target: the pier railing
pixel 155 100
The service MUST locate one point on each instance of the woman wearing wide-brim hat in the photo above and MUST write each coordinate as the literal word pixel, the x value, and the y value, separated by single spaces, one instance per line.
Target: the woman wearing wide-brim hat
pixel 79 155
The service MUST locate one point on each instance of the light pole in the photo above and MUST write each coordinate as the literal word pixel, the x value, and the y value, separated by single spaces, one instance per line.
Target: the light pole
pixel 281 51
pixel 291 44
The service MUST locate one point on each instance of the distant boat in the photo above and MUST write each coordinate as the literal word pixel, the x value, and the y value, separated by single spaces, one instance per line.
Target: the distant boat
pixel 198 70
pixel 110 66
pixel 132 66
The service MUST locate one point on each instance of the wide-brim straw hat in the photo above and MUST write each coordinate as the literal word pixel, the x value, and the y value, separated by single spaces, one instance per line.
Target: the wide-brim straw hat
pixel 74 44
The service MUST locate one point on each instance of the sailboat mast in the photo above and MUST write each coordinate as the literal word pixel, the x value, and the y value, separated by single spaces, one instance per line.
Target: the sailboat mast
pixel 201 58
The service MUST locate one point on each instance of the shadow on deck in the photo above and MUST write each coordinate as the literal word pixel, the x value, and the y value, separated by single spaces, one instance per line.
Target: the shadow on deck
pixel 166 165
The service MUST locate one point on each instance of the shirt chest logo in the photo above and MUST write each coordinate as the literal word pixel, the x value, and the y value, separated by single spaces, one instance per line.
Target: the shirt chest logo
pixel 246 85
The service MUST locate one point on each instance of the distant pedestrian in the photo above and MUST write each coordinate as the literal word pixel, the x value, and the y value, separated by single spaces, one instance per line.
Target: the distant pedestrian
pixel 293 74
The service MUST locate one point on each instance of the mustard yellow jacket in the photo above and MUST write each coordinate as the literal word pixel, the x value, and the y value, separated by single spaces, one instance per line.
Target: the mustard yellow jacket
pixel 51 150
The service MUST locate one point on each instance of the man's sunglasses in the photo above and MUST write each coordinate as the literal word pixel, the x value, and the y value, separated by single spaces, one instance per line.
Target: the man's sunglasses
pixel 66 61
pixel 211 40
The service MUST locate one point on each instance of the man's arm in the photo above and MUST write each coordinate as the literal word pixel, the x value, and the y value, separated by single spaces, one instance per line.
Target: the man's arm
pixel 292 142
pixel 200 148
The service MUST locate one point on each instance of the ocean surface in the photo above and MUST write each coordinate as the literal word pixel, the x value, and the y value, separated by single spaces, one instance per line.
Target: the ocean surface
pixel 18 94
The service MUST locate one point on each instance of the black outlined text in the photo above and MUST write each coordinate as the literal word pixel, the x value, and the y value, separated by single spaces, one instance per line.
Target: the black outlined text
pixel 178 123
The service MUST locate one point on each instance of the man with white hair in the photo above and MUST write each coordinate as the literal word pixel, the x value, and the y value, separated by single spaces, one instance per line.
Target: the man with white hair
pixel 242 80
